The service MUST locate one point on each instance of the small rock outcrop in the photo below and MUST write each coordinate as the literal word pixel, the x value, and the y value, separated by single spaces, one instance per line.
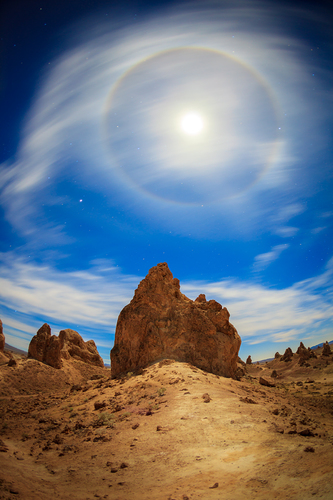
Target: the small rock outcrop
pixel 160 322
pixel 304 353
pixel 301 348
pixel 2 338
pixel 249 360
pixel 326 349
pixel 51 349
pixel 288 354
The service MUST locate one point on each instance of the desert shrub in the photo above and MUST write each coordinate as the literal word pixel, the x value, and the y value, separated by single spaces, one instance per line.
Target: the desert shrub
pixel 105 418
pixel 155 407
pixel 161 391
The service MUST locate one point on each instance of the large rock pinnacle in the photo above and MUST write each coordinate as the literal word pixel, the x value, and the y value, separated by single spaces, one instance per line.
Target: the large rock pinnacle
pixel 160 322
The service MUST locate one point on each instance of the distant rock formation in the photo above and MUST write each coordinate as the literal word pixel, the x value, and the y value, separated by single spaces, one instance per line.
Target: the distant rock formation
pixel 160 322
pixel 326 349
pixel 249 360
pixel 288 354
pixel 73 346
pixel 39 343
pixel 304 353
pixel 277 355
pixel 2 338
pixel 52 349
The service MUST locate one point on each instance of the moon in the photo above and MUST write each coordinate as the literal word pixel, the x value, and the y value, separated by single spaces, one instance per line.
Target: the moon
pixel 192 124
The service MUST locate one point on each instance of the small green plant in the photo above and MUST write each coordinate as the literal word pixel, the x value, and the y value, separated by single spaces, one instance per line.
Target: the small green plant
pixel 161 391
pixel 129 374
pixel 105 418
pixel 156 406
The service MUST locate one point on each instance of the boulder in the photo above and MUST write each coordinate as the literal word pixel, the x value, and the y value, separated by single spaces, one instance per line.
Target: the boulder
pixel 267 383
pixel 52 349
pixel 162 323
pixel 2 338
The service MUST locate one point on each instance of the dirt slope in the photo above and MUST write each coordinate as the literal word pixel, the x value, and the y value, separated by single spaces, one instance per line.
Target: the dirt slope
pixel 154 435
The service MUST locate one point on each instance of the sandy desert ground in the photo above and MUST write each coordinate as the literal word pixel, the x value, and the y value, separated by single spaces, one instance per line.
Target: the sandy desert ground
pixel 171 432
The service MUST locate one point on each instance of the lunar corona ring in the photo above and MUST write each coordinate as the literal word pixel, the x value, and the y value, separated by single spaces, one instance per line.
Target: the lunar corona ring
pixel 191 126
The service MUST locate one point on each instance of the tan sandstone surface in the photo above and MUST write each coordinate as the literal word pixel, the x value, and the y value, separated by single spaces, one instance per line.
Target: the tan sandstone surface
pixel 173 432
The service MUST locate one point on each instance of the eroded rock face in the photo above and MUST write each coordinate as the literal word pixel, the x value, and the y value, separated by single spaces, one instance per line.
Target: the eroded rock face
pixel 73 346
pixel 160 322
pixel 2 338
pixel 39 343
pixel 52 349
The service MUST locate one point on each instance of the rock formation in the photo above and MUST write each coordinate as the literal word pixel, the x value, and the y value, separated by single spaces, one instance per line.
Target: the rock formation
pixel 288 354
pixel 2 338
pixel 51 349
pixel 326 349
pixel 304 353
pixel 73 346
pixel 39 343
pixel 249 360
pixel 160 322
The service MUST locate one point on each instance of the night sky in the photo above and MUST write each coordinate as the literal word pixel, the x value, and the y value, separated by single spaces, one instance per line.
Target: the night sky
pixel 193 133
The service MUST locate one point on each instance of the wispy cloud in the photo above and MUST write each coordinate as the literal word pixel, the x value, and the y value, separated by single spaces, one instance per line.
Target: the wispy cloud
pixel 91 300
pixel 266 314
pixel 67 123
pixel 263 260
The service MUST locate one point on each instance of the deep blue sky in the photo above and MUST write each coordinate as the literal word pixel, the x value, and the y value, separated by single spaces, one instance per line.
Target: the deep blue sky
pixel 99 181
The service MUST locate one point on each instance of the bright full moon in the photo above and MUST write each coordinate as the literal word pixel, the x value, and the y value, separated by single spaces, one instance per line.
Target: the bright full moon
pixel 192 124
